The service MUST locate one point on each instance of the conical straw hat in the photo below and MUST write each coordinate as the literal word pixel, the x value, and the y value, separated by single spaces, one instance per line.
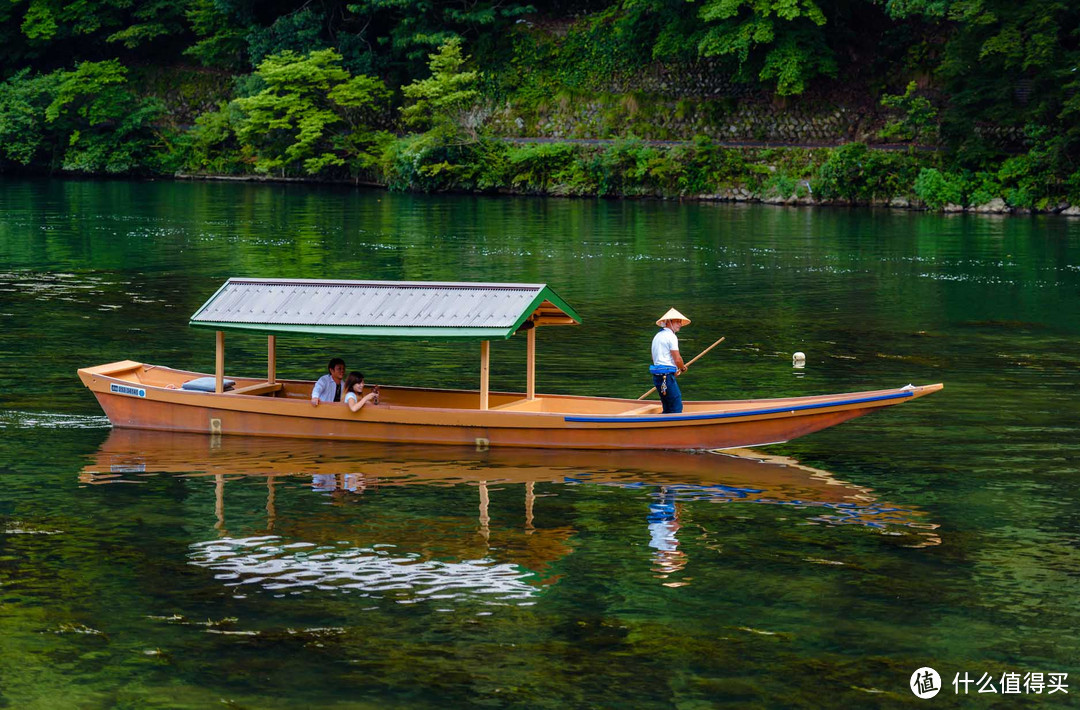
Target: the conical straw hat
pixel 673 314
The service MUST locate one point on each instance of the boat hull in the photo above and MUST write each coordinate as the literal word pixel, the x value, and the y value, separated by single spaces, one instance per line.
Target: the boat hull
pixel 130 399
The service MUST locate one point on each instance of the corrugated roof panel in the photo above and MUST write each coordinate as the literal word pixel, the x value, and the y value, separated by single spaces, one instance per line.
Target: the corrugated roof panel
pixel 326 306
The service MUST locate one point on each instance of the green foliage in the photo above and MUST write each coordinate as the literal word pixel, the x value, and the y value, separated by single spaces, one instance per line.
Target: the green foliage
pixel 779 41
pixel 131 23
pixel 150 20
pixel 602 47
pixel 443 100
pixel 408 30
pixel 1072 188
pixel 625 167
pixel 1004 74
pixel 89 92
pixel 981 187
pixel 298 32
pixel 854 173
pixel 24 135
pixel 1006 64
pixel 1035 179
pixel 433 161
pixel 95 122
pixel 785 186
pixel 917 115
pixel 718 166
pixel 221 42
pixel 40 21
pixel 937 189
pixel 211 146
pixel 534 167
pixel 292 124
pixel 631 167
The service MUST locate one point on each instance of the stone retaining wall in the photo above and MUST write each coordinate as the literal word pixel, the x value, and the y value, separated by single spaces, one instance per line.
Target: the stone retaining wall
pixel 657 117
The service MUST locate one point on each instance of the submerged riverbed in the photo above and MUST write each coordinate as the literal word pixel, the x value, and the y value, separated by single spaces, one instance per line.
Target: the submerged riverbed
pixel 165 571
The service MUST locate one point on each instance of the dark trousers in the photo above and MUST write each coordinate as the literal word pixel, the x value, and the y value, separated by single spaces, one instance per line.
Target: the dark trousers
pixel 672 401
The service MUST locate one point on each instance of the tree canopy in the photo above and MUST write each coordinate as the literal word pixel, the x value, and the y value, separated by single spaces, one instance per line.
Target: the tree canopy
pixel 302 87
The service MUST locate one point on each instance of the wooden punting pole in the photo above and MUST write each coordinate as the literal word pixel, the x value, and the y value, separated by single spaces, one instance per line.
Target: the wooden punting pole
pixel 485 368
pixel 530 378
pixel 219 364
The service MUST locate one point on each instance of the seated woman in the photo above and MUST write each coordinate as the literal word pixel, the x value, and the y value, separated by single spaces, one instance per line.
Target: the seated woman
pixel 354 392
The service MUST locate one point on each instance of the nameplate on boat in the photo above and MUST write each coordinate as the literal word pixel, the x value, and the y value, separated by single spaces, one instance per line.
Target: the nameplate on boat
pixel 124 389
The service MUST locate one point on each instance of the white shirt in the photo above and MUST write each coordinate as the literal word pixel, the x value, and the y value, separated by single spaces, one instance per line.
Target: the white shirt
pixel 662 344
pixel 325 388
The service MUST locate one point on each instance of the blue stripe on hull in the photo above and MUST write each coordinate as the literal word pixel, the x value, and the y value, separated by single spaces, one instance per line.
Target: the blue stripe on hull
pixel 729 415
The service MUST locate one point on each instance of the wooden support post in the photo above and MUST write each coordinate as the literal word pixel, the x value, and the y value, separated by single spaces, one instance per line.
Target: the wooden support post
pixel 485 371
pixel 271 359
pixel 219 364
pixel 530 378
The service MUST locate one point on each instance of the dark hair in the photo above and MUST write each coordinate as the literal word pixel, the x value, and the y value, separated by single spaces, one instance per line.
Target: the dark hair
pixel 334 363
pixel 353 378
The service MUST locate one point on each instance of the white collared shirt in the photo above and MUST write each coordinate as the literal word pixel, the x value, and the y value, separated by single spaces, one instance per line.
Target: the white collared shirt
pixel 662 344
pixel 325 387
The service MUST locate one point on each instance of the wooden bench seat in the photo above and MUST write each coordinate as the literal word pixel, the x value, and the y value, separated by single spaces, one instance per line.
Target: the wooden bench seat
pixel 647 409
pixel 260 388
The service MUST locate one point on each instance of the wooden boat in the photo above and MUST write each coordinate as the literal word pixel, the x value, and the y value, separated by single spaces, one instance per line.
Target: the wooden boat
pixel 144 396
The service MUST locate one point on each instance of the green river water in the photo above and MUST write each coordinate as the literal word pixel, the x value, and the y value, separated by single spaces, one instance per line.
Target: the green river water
pixel 173 572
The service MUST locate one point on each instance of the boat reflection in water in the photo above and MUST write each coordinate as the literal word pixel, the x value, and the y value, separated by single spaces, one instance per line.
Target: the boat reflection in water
pixel 443 556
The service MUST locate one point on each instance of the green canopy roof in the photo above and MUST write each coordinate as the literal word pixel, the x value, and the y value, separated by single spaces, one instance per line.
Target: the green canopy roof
pixel 382 309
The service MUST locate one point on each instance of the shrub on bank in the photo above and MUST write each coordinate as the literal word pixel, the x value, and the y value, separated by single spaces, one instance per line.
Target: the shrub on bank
pixel 539 167
pixel 854 173
pixel 937 189
pixel 433 163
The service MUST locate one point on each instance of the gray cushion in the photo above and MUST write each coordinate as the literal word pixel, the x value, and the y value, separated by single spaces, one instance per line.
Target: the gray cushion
pixel 206 384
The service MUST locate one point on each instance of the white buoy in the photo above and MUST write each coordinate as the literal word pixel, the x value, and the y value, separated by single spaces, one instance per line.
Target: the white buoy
pixel 798 360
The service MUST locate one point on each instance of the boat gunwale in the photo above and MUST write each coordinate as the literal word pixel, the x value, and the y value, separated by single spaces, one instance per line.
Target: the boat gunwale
pixel 735 414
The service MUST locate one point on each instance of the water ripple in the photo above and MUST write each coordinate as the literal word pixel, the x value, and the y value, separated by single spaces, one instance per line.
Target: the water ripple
pixel 11 419
pixel 408 578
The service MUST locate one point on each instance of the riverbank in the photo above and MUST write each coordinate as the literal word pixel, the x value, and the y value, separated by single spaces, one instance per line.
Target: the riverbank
pixel 308 117
pixel 731 195
pixel 847 175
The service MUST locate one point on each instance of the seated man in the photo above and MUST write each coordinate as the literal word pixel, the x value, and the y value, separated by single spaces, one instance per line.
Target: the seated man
pixel 329 387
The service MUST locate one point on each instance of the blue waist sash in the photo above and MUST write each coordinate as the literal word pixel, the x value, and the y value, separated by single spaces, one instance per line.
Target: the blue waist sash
pixel 663 369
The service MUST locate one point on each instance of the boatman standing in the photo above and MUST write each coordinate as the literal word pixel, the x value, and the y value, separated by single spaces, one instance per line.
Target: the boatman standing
pixel 667 362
